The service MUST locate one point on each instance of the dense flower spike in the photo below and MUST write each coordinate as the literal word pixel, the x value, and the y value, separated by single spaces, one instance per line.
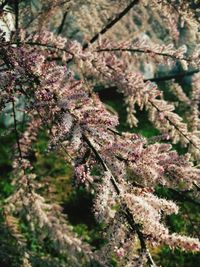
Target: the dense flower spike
pixel 57 78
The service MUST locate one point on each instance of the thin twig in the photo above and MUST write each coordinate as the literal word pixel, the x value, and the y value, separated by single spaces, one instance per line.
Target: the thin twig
pixel 172 76
pixel 114 131
pixel 42 45
pixel 144 51
pixel 197 186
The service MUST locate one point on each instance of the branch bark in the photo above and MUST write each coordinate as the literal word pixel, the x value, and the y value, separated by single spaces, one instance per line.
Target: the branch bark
pixel 60 28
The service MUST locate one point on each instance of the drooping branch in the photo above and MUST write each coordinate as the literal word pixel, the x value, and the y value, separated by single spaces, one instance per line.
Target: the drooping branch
pixel 151 102
pixel 112 89
pixel 128 215
pixel 175 126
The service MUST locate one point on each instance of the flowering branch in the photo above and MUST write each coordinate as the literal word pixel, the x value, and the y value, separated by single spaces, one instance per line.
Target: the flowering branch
pixel 175 126
pixel 111 23
pixel 163 78
pixel 124 207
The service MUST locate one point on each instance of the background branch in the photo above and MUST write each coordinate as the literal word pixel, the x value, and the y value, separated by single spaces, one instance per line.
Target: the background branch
pixel 60 28
pixel 15 127
pixel 111 23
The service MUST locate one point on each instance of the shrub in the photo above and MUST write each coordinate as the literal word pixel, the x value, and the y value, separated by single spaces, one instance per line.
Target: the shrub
pixel 58 61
